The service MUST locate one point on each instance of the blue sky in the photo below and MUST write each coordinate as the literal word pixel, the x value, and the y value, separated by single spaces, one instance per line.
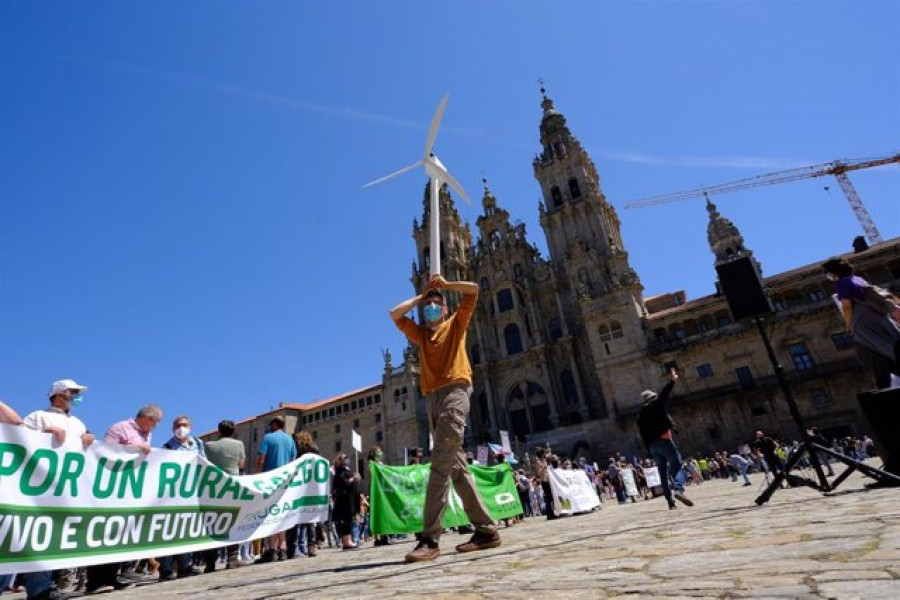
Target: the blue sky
pixel 180 183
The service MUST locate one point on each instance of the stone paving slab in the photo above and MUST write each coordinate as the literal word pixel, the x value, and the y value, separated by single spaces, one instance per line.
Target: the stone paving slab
pixel 802 544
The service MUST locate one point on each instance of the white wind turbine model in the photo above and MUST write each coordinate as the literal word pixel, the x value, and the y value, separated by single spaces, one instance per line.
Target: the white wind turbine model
pixel 437 174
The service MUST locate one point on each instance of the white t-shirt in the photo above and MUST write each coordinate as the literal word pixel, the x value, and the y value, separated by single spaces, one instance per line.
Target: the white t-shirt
pixel 55 417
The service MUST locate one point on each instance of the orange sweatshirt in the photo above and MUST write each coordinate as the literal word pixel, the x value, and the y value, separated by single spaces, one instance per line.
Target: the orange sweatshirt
pixel 442 352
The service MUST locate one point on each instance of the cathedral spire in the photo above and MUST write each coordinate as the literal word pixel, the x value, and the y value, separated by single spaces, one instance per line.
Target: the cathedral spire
pixel 725 239
pixel 488 201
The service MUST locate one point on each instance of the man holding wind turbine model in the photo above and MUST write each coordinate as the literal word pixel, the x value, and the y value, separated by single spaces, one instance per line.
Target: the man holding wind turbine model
pixel 446 377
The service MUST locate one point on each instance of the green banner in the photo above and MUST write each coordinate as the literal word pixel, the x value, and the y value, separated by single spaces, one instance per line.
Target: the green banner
pixel 64 506
pixel 397 497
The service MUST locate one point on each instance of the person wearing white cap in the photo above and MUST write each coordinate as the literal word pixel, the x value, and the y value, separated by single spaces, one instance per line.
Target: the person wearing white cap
pixel 58 418
pixel 66 429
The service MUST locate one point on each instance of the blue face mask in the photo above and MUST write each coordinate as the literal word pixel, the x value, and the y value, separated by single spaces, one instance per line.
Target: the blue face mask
pixel 433 311
pixel 76 400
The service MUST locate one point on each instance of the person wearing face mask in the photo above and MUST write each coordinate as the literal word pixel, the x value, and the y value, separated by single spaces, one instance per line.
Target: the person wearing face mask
pixel 58 419
pixel 446 381
pixel 66 429
pixel 182 441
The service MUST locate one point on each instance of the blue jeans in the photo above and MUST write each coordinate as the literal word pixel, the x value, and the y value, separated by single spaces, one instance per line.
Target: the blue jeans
pixel 6 581
pixel 35 583
pixel 744 468
pixel 167 563
pixel 667 458
pixel 355 531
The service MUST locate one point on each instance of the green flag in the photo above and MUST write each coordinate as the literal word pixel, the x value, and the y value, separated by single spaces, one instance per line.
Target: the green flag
pixel 397 497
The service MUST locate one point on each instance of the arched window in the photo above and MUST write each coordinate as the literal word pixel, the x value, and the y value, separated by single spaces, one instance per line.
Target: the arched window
pixel 513 339
pixel 570 391
pixel 518 273
pixel 426 257
pixel 555 329
pixel 485 284
pixel 605 335
pixel 495 239
pixel 556 196
pixel 504 300
pixel 483 409
pixel 574 190
pixel 517 412
pixel 475 354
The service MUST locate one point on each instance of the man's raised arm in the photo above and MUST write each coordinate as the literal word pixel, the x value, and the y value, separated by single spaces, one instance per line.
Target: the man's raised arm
pixel 404 307
pixel 466 288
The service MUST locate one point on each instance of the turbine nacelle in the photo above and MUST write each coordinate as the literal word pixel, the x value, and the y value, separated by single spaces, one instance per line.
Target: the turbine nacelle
pixel 433 166
pixel 437 173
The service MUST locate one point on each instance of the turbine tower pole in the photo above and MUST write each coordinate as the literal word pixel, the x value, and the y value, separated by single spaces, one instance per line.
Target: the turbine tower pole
pixel 434 227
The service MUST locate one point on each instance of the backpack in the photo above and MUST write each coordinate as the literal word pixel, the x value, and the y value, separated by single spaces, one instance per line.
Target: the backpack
pixel 879 300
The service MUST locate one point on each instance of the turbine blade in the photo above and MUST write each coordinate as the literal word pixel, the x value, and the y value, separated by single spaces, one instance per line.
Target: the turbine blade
pixel 394 174
pixel 435 123
pixel 455 185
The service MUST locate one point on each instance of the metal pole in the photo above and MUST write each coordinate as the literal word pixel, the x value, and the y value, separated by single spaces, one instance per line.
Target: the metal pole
pixel 434 228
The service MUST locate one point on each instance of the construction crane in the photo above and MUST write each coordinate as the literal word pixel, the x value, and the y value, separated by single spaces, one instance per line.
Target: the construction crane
pixel 838 168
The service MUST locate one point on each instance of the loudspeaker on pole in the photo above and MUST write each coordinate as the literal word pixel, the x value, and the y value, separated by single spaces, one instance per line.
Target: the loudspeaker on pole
pixel 743 289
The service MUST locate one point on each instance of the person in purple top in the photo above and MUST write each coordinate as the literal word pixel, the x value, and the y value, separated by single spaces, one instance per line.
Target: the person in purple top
pixel 876 336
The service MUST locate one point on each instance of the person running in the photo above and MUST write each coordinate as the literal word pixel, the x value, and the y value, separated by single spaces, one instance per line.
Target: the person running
pixel 446 380
pixel 655 426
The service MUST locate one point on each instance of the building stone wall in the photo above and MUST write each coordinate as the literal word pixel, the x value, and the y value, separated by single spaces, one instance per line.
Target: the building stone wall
pixel 561 347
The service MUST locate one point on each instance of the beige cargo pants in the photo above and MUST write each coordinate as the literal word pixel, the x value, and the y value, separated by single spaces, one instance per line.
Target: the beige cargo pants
pixel 447 409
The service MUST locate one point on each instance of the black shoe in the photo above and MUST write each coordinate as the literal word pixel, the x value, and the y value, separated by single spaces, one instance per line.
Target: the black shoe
pixel 189 572
pixel 171 576
pixel 683 499
pixel 122 584
pixel 267 557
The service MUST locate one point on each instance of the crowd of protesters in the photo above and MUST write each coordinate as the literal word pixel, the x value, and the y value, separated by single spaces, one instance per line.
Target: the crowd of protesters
pixel 347 526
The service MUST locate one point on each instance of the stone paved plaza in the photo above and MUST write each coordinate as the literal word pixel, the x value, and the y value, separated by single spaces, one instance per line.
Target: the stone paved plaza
pixel 800 545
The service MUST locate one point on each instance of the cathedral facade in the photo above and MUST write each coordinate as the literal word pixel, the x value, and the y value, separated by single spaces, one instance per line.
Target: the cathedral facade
pixel 562 346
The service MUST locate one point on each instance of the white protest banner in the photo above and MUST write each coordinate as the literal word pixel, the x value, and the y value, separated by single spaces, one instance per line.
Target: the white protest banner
pixel 504 442
pixel 67 507
pixel 572 491
pixel 652 475
pixel 356 440
pixel 482 456
pixel 630 484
